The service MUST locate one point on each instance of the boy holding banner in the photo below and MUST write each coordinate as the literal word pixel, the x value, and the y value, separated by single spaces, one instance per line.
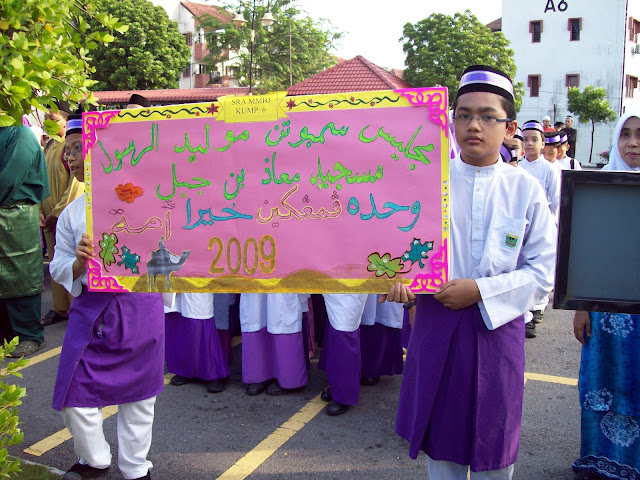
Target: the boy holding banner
pixel 463 385
pixel 113 349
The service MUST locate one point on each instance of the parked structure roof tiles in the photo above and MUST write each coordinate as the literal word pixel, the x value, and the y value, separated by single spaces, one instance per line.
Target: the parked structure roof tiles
pixel 170 96
pixel 355 75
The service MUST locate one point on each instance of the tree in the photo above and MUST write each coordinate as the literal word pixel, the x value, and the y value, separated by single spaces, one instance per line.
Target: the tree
pixel 10 396
pixel 591 105
pixel 152 54
pixel 44 52
pixel 310 45
pixel 440 47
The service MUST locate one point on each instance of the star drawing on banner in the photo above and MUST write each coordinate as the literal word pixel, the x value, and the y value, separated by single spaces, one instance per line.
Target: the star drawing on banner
pixel 291 104
pixel 212 109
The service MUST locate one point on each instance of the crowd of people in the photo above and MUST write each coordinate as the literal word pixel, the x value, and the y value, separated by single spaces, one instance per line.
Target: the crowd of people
pixel 463 379
pixel 543 151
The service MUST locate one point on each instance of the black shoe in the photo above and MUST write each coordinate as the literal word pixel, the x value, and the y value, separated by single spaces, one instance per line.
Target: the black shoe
pixel 80 472
pixel 326 394
pixel 146 477
pixel 179 380
pixel 369 381
pixel 275 390
pixel 537 316
pixel 254 389
pixel 530 330
pixel 218 385
pixel 334 408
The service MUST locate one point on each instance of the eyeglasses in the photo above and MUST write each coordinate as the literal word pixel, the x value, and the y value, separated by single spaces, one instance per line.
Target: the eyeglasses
pixel 484 120
pixel 75 150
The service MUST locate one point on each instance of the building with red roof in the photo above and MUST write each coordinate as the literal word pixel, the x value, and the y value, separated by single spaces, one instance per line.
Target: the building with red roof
pixel 198 74
pixel 355 75
pixel 496 25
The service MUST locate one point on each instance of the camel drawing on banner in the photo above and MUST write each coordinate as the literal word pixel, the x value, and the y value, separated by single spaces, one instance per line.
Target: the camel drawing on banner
pixel 163 262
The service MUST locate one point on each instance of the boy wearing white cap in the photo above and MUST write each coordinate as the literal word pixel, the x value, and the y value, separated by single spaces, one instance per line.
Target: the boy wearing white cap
pixel 564 161
pixel 463 384
pixel 536 165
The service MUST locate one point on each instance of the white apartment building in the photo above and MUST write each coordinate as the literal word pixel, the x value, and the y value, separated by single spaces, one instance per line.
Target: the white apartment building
pixel 198 75
pixel 564 43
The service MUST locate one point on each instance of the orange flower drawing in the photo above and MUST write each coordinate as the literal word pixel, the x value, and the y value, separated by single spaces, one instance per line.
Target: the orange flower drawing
pixel 128 193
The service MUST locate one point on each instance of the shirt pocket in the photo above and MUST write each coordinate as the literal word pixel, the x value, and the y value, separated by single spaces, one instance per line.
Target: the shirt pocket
pixel 505 240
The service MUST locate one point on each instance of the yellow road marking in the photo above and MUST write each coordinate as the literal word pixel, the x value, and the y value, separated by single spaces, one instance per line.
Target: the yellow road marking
pixel 256 457
pixel 58 438
pixel 550 379
pixel 37 359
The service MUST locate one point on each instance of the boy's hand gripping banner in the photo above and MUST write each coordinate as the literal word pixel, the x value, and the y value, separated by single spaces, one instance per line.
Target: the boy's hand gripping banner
pixel 315 194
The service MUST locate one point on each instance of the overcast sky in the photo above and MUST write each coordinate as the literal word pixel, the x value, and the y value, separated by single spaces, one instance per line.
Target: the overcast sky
pixel 373 27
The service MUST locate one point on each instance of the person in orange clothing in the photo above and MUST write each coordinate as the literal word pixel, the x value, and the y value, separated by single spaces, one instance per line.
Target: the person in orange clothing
pixel 64 189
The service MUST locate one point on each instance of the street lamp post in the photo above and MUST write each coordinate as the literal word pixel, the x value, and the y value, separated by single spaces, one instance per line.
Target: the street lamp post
pixel 239 21
pixel 290 70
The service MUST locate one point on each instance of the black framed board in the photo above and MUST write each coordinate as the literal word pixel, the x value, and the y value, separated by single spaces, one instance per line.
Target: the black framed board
pixel 598 258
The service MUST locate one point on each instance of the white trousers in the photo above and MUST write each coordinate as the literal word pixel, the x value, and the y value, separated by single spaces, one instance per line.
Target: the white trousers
pixel 542 305
pixel 134 424
pixel 440 470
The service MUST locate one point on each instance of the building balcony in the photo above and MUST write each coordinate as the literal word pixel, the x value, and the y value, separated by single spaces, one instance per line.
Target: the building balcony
pixel 200 51
pixel 201 80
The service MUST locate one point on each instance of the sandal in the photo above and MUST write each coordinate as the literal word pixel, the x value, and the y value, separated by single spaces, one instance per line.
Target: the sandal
pixel 53 317
pixel 26 348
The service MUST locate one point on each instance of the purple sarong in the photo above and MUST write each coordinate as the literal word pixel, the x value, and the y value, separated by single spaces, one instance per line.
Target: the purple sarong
pixel 225 343
pixel 462 390
pixel 113 350
pixel 340 358
pixel 381 350
pixel 193 349
pixel 281 356
pixel 406 329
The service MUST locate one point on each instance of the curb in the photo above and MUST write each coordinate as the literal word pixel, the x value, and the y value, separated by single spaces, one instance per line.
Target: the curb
pixel 53 470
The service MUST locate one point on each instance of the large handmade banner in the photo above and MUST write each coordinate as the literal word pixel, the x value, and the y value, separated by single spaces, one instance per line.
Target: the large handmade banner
pixel 325 193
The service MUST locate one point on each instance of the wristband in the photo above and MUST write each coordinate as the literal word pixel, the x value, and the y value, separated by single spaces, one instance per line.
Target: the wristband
pixel 410 304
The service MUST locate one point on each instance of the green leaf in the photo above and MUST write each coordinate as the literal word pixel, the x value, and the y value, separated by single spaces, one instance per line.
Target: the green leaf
pixel 51 127
pixel 384 265
pixel 18 64
pixel 6 121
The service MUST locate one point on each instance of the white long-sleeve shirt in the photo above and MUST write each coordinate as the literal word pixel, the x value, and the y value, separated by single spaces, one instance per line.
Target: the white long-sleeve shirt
pixel 503 236
pixel 549 178
pixel 565 163
pixel 389 314
pixel 72 223
pixel 197 306
pixel 281 313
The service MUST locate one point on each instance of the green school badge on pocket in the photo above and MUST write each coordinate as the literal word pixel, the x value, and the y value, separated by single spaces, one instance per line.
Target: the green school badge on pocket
pixel 510 240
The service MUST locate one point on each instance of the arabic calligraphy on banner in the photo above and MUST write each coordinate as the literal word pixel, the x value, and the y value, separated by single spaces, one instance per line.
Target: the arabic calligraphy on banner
pixel 327 193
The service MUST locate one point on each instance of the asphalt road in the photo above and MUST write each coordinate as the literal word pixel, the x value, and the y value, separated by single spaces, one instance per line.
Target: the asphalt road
pixel 200 436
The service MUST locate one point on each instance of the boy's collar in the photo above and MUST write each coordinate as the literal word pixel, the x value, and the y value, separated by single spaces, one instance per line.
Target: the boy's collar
pixel 471 169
